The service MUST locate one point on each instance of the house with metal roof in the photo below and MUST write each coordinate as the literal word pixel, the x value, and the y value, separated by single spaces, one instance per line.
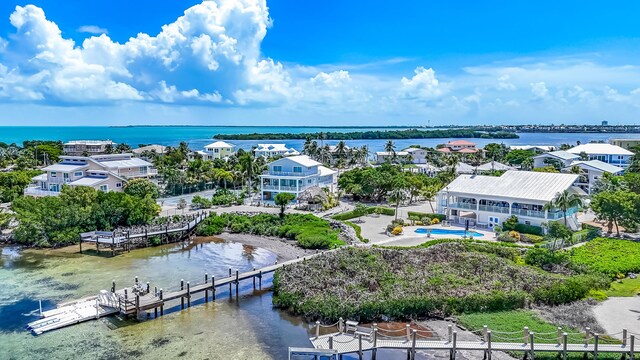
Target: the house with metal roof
pixel 564 158
pixel 295 175
pixel 215 150
pixel 102 172
pixel 590 172
pixel 274 150
pixel 608 153
pixel 488 201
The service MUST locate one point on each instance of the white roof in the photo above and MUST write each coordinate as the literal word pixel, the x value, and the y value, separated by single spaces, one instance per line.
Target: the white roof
pixel 529 147
pixel 128 163
pixel 89 142
pixel 88 181
pixel 464 168
pixel 323 171
pixel 41 177
pixel 303 160
pixel 219 144
pixel 563 155
pixel 271 147
pixel 599 149
pixel 598 165
pixel 159 149
pixel 528 185
pixel 412 149
pixel 65 167
pixel 387 153
pixel 494 165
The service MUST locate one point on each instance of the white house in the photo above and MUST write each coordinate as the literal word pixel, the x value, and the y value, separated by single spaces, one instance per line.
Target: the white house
pixel 493 166
pixel 295 174
pixel 418 155
pixel 86 147
pixel 273 150
pixel 216 150
pixel 382 156
pixel 102 172
pixel 608 153
pixel 538 149
pixel 563 157
pixel 490 200
pixel 591 171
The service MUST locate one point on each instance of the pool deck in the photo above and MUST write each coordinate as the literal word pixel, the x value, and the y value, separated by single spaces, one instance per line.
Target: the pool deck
pixel 409 236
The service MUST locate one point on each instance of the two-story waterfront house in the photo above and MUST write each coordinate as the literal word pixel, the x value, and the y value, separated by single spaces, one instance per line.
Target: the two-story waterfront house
pixel 487 201
pixel 590 172
pixel 608 153
pixel 216 150
pixel 86 147
pixel 294 174
pixel 274 150
pixel 102 172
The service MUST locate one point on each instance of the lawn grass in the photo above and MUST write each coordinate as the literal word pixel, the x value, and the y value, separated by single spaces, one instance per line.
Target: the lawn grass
pixel 515 321
pixel 625 288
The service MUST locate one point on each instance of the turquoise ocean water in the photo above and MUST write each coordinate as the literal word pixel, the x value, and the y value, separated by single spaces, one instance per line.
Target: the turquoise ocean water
pixel 198 136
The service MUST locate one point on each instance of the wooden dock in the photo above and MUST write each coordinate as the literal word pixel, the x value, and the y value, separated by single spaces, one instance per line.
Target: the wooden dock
pixel 531 343
pixel 125 240
pixel 140 298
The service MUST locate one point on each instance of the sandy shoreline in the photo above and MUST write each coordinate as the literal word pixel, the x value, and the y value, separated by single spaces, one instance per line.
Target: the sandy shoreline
pixel 284 249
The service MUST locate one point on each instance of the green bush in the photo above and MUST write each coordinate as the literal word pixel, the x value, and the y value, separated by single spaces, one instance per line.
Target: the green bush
pixel 414 215
pixel 358 230
pixel 512 224
pixel 311 232
pixel 199 202
pixel 542 257
pixel 372 283
pixel 369 210
pixel 608 256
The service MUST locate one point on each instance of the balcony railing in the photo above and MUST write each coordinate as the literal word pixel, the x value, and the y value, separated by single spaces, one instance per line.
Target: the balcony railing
pixel 288 173
pixel 493 208
pixel 280 188
pixel 36 191
pixel 558 214
pixel 460 205
pixel 528 213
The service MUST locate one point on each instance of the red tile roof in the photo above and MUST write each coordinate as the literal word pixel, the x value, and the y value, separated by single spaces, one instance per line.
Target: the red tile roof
pixel 460 143
pixel 467 151
pixel 444 149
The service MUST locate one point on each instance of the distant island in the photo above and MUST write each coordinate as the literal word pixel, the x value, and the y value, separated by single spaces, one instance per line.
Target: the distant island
pixel 377 134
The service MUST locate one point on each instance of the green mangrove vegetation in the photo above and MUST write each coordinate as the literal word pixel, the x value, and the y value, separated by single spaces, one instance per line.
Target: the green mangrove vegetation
pixel 310 231
pixel 375 134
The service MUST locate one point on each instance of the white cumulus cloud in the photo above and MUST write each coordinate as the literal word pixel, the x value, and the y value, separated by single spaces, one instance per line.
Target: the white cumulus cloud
pixel 92 29
pixel 423 85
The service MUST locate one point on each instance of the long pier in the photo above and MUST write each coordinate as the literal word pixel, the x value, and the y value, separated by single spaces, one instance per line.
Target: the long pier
pixel 360 340
pixel 139 298
pixel 125 240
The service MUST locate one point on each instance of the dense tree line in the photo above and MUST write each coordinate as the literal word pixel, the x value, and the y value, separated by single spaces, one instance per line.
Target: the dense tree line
pixel 58 220
pixel 374 135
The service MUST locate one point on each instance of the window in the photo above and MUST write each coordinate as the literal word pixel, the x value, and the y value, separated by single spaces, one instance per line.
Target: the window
pixel 53 174
pixel 104 188
pixel 216 150
pixel 118 185
pixel 297 169
pixel 77 174
pixel 277 168
pixel 65 176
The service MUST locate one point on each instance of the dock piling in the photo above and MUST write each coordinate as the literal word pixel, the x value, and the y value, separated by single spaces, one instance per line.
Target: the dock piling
pixel 113 286
pixel 181 289
pixel 254 280
pixel 237 282
pixel 188 295
pixel 213 288
pixel 632 340
pixel 489 345
pixel 161 303
pixel 206 292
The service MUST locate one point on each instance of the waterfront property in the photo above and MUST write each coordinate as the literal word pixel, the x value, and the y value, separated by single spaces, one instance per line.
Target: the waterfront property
pixel 385 156
pixel 538 149
pixel 487 201
pixel 459 146
pixel 274 150
pixel 493 166
pixel 86 147
pixel 215 150
pixel 101 172
pixel 610 154
pixel 625 143
pixel 563 158
pixel 591 171
pixel 149 149
pixel 295 174
pixel 418 155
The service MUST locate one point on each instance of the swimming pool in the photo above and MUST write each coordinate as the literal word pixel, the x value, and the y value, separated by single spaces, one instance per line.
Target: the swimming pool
pixel 447 232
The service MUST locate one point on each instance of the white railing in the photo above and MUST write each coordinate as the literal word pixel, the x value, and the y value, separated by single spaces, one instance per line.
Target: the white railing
pixel 36 191
pixel 493 208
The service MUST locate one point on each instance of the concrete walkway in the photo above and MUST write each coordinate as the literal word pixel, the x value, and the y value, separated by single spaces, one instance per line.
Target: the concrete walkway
pixel 617 313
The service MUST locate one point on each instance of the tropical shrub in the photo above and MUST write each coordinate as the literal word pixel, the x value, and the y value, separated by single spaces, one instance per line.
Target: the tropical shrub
pixel 199 202
pixel 366 211
pixel 397 230
pixel 311 232
pixel 506 237
pixel 608 256
pixel 435 221
pixel 515 235
pixel 367 284
pixel 422 216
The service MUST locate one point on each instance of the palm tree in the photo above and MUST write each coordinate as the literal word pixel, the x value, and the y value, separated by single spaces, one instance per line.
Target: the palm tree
pixel 390 148
pixel 341 150
pixel 428 192
pixel 563 201
pixel 527 164
pixel 249 167
pixel 397 196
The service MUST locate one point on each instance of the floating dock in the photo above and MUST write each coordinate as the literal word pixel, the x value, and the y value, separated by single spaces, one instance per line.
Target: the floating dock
pixel 66 314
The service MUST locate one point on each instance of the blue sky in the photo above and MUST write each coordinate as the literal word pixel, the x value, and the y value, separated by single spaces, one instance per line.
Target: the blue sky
pixel 331 62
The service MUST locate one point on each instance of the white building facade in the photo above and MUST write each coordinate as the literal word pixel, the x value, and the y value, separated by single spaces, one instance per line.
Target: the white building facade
pixel 216 150
pixel 294 175
pixel 608 153
pixel 488 201
pixel 274 150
